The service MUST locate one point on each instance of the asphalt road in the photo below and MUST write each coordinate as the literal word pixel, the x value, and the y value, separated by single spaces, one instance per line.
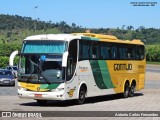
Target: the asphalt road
pixel 152 80
pixel 153 68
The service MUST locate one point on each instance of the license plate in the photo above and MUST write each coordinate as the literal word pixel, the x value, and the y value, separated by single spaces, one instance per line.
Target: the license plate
pixel 38 95
pixel 6 81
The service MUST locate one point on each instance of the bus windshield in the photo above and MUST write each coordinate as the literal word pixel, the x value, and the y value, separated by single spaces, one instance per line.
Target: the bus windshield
pixel 40 68
pixel 43 46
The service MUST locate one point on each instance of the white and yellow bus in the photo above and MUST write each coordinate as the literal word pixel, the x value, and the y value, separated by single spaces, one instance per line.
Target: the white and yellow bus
pixel 79 65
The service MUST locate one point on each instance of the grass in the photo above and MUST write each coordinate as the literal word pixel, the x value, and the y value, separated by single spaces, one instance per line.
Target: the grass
pixel 153 63
pixel 23 33
pixel 147 46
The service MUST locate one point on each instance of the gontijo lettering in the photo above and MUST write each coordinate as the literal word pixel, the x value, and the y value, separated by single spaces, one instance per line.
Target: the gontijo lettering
pixel 123 66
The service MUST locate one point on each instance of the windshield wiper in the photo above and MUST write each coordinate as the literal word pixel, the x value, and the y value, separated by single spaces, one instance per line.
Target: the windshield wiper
pixel 30 76
pixel 43 75
pixel 39 68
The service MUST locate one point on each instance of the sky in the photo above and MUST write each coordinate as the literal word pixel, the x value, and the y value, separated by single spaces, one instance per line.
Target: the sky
pixel 87 13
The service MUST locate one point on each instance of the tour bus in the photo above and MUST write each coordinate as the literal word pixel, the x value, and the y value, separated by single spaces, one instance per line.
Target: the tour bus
pixel 79 65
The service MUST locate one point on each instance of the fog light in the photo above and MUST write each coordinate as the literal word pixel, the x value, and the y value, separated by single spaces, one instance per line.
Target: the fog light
pixel 19 94
pixel 61 95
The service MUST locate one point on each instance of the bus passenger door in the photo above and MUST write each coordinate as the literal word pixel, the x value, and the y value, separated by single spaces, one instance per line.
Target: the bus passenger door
pixel 71 77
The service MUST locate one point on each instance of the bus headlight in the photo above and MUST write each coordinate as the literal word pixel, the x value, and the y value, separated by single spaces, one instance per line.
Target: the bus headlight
pixel 57 89
pixel 21 88
pixel 58 74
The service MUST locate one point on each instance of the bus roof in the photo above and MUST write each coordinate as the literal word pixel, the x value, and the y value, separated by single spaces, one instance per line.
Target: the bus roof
pixel 85 36
pixel 108 38
pixel 65 37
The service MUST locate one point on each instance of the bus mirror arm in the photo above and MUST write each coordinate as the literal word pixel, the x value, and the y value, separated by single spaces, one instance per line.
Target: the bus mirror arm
pixel 64 59
pixel 12 56
pixel 19 53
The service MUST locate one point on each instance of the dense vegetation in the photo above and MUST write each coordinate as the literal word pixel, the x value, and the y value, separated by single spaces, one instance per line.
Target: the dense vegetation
pixel 14 28
pixel 153 53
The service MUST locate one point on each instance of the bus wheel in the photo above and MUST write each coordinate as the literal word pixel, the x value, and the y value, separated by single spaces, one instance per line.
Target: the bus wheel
pixel 131 91
pixel 126 90
pixel 41 102
pixel 82 96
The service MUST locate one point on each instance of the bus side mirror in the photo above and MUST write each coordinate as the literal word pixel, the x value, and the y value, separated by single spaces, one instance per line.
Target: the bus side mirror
pixel 12 56
pixel 64 59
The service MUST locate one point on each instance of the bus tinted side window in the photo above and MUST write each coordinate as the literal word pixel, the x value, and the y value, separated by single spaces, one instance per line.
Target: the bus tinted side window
pixel 130 52
pixel 94 51
pixel 113 55
pixel 105 51
pixel 84 50
pixel 139 52
pixel 122 50
pixel 89 50
pixel 142 52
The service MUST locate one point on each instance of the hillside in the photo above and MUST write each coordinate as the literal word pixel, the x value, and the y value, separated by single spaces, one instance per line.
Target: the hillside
pixel 14 37
pixel 14 28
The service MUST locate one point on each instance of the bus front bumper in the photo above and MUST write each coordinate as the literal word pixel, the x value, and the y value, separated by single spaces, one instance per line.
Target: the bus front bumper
pixel 42 95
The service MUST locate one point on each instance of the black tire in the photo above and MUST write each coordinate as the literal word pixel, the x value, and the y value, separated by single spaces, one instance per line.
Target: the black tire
pixel 41 102
pixel 82 96
pixel 126 90
pixel 131 91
